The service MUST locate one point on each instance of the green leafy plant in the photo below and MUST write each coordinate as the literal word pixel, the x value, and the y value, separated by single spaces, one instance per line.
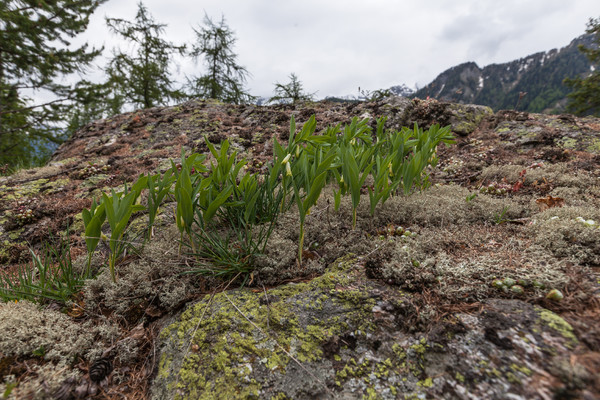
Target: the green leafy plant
pixel 229 243
pixel 354 162
pixel 187 186
pixel 381 170
pixel 158 188
pixel 285 158
pixel 304 166
pixel 119 207
pixel 92 221
pixel 415 150
pixel 234 215
pixel 356 166
pixel 308 180
pixel 228 215
pixel 471 197
pixel 500 218
pixel 50 277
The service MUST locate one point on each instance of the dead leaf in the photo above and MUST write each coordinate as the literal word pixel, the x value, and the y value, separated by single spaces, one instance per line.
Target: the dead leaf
pixel 309 255
pixel 517 186
pixel 549 202
pixel 77 310
pixel 153 311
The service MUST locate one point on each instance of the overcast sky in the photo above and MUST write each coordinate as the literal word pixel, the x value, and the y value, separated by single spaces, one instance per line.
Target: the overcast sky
pixel 335 46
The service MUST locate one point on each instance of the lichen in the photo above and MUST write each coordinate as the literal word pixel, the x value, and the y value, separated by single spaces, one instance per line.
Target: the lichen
pixel 42 382
pixel 26 328
pixel 26 189
pixel 235 334
pixel 558 324
pixel 426 383
pixel 594 146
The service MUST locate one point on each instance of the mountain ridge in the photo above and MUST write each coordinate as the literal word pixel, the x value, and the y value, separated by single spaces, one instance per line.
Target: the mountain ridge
pixel 533 83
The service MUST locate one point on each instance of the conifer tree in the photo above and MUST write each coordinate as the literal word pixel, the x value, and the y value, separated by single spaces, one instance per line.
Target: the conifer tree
pixel 35 53
pixel 291 92
pixel 585 97
pixel 142 79
pixel 225 78
pixel 106 102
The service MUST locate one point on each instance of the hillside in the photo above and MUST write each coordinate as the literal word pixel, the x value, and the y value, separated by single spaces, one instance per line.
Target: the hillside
pixel 484 285
pixel 539 75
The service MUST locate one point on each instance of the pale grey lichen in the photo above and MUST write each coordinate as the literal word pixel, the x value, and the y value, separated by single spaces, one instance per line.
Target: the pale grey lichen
pixel 25 328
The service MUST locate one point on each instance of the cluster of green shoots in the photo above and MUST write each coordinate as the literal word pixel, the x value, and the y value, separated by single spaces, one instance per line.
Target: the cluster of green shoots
pixel 226 214
pixel 354 159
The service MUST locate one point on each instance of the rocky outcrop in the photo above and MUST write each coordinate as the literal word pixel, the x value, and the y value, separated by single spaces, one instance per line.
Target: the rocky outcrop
pixel 445 293
pixel 344 336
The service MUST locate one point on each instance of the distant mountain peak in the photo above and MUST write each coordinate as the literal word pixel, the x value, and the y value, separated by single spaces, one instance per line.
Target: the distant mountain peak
pixel 532 83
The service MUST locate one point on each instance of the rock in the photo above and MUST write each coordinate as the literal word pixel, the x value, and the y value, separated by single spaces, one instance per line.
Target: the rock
pixel 465 118
pixel 334 338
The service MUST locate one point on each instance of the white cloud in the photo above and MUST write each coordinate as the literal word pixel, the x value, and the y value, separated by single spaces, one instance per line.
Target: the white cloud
pixel 334 46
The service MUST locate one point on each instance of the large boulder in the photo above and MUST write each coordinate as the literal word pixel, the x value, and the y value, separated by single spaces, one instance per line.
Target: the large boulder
pixel 345 336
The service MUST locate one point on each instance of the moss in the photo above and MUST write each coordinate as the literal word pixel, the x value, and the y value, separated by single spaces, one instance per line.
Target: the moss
pixel 41 382
pixel 522 369
pixel 459 377
pixel 567 143
pixel 371 394
pixel 468 118
pixel 93 180
pixel 494 372
pixel 465 126
pixel 560 175
pixel 558 231
pixel 55 186
pixel 399 351
pixel 77 225
pixel 512 378
pixel 16 234
pixel 558 324
pixel 421 347
pixel 10 249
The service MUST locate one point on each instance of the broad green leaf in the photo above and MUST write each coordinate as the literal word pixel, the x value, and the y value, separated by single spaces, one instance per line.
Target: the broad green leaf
pixel 315 191
pixel 337 198
pixel 216 203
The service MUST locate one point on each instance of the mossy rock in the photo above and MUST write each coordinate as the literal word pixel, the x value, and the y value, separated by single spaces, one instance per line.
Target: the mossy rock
pixel 465 118
pixel 344 336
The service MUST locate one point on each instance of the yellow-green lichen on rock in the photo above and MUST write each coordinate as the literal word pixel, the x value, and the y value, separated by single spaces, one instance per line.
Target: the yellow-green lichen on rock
pixel 467 117
pixel 558 324
pixel 241 343
pixel 343 335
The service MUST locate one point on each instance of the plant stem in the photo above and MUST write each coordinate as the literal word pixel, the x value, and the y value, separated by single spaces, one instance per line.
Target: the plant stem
pixel 111 266
pixel 301 243
pixel 89 264
pixel 353 218
pixel 192 243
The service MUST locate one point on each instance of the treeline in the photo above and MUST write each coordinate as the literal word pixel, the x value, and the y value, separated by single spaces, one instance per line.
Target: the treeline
pixel 38 110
